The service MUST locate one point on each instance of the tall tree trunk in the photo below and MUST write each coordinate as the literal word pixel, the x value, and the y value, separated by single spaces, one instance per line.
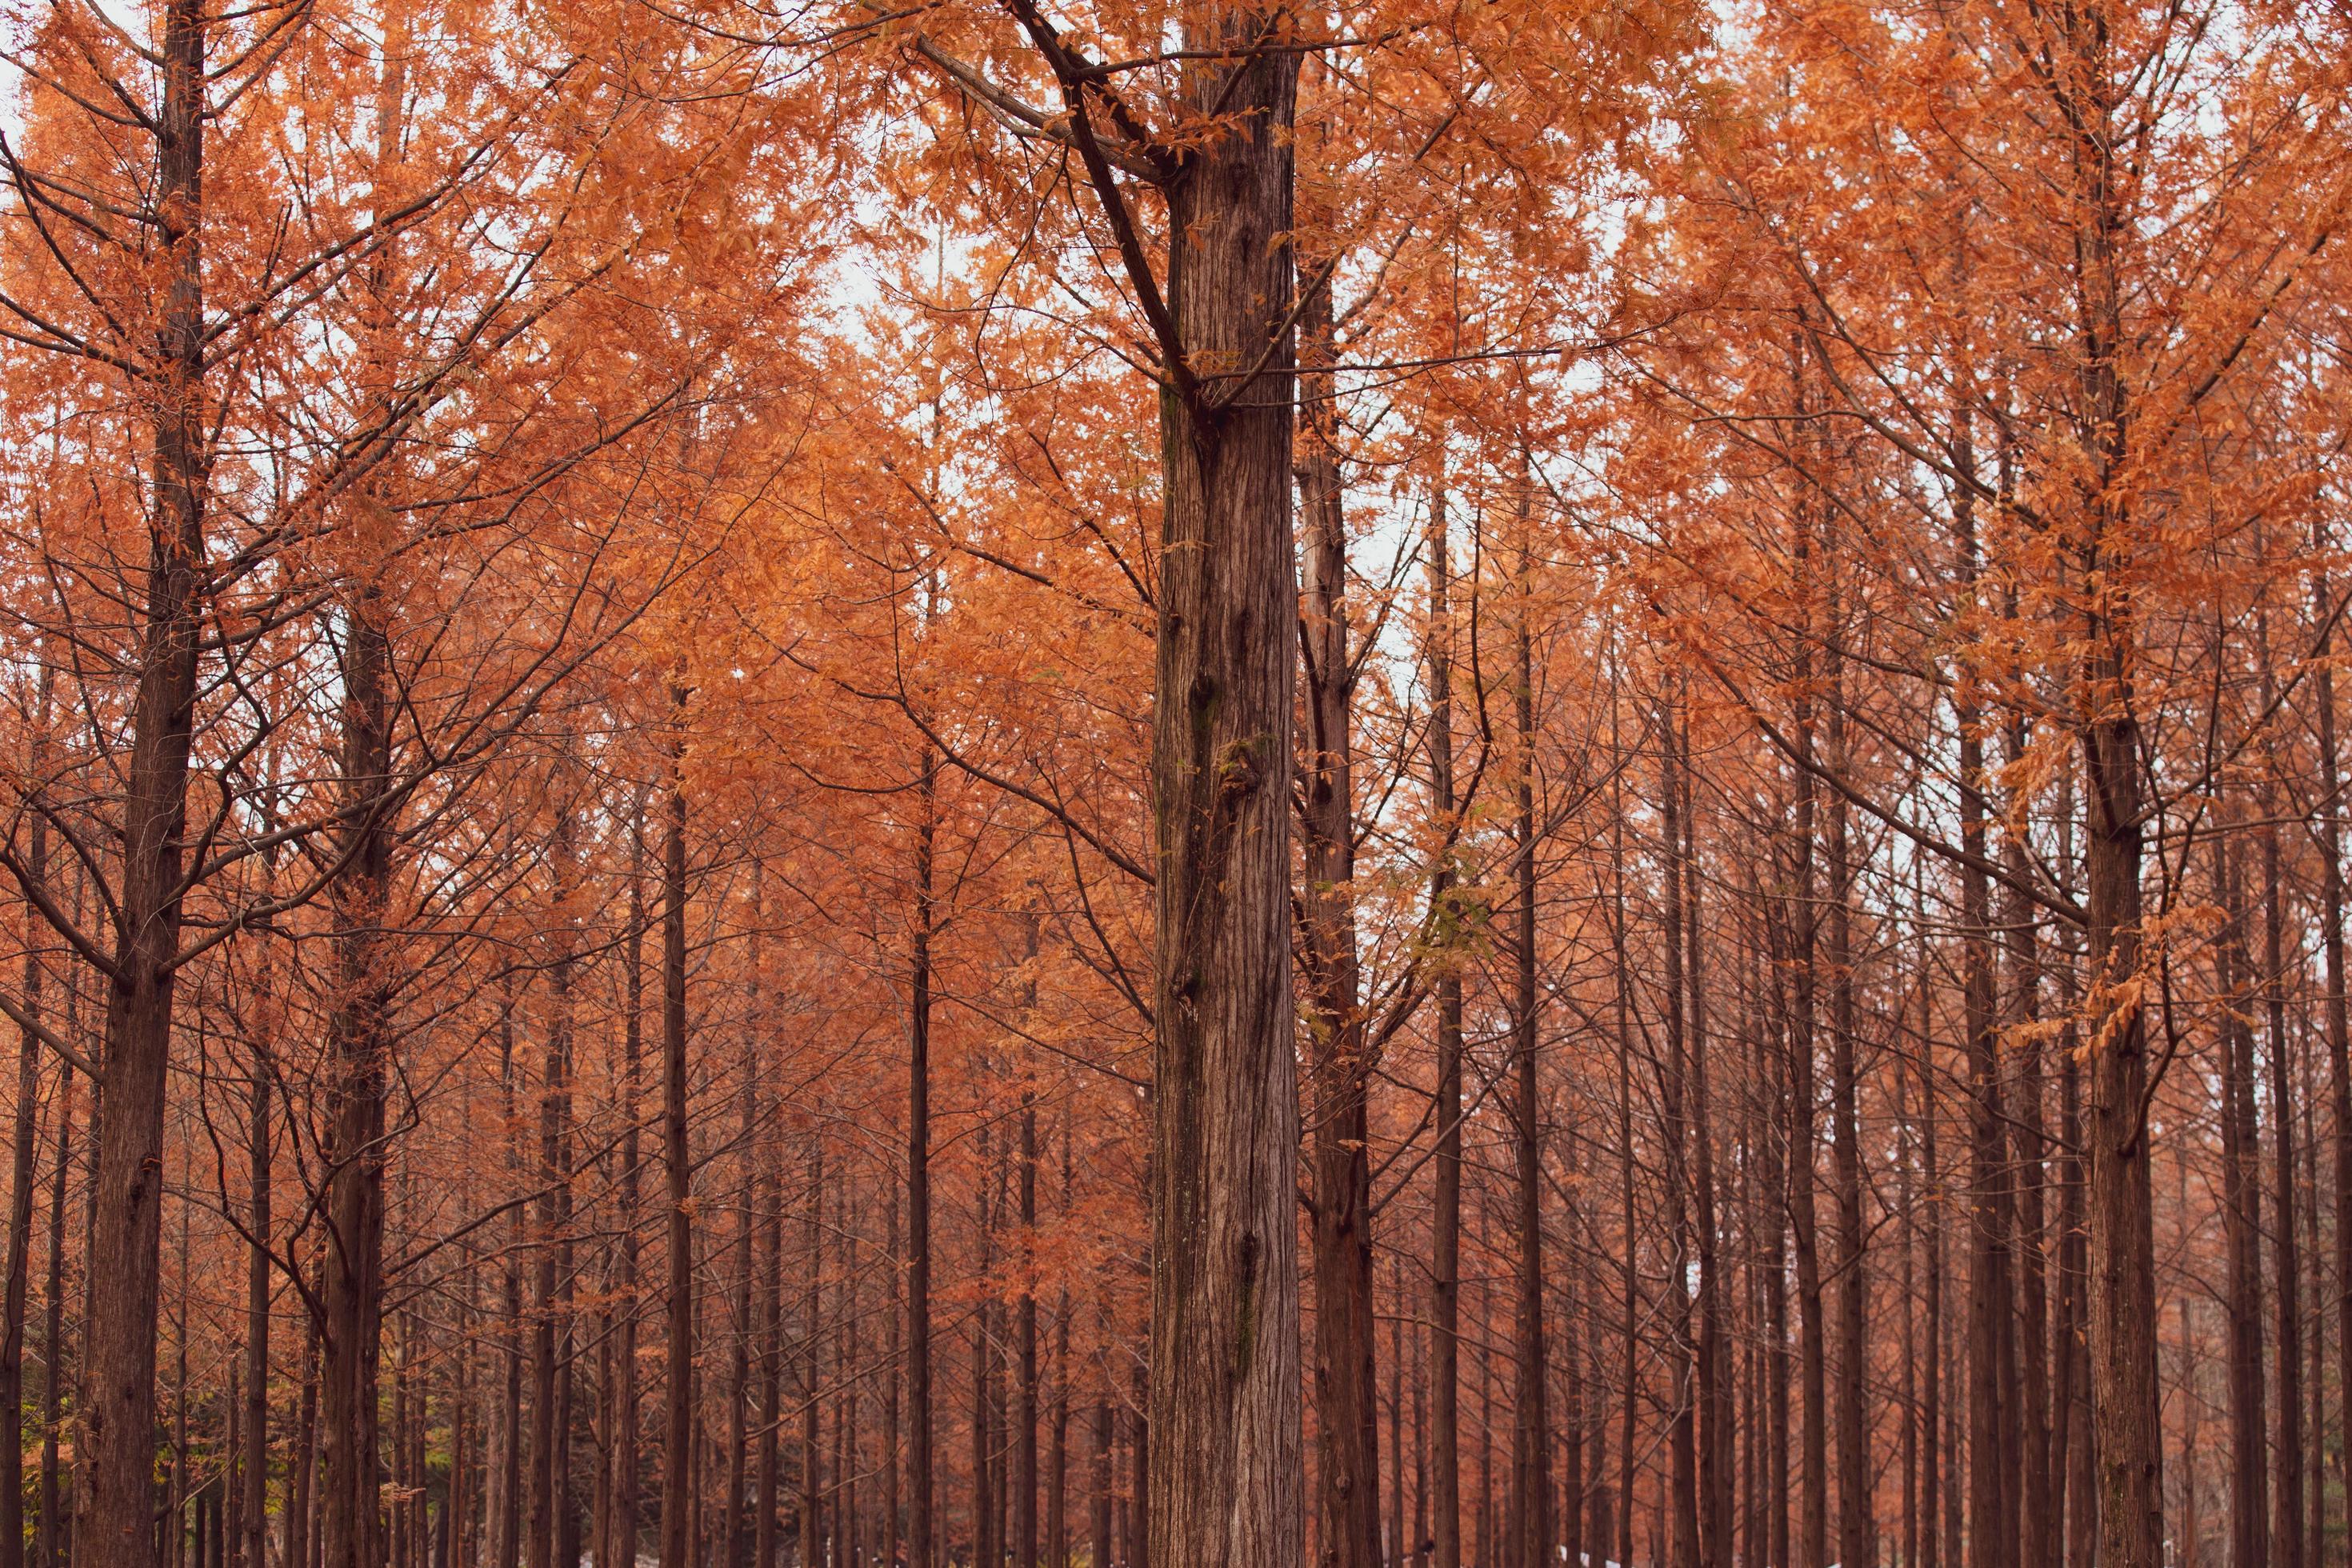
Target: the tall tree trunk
pixel 1224 1440
pixel 2286 1533
pixel 919 1496
pixel 2242 1221
pixel 1992 1541
pixel 812 1460
pixel 1340 1219
pixel 50 1519
pixel 1445 1216
pixel 1682 1412
pixel 1530 1497
pixel 1023 1543
pixel 359 1035
pixel 22 1174
pixel 2124 1402
pixel 2339 1015
pixel 114 1493
pixel 256 1523
pixel 626 1413
pixel 1856 1466
pixel 678 1546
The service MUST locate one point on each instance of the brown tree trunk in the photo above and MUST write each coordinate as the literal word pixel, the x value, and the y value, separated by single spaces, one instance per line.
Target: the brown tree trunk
pixel 2286 1533
pixel 51 1540
pixel 2339 1018
pixel 114 1492
pixel 1224 1438
pixel 359 1035
pixel 678 1546
pixel 256 1523
pixel 2122 1254
pixel 622 1532
pixel 1530 1496
pixel 2242 1221
pixel 811 1461
pixel 919 1496
pixel 1023 1543
pixel 1445 1216
pixel 22 1175
pixel 1856 1467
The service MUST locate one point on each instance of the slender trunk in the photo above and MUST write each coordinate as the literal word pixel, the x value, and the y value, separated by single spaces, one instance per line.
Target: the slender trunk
pixel 1445 1217
pixel 2339 1019
pixel 256 1523
pixel 359 1035
pixel 918 1184
pixel 1340 1219
pixel 2242 1220
pixel 623 1532
pixel 1024 1330
pixel 52 1542
pixel 20 1184
pixel 1530 1545
pixel 678 1546
pixel 812 1461
pixel 2286 1533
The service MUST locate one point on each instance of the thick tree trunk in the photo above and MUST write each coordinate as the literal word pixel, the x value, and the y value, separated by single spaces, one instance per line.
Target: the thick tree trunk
pixel 1224 1445
pixel 114 1493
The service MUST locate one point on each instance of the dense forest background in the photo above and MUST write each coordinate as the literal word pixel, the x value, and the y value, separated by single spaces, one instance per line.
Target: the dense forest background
pixel 1202 783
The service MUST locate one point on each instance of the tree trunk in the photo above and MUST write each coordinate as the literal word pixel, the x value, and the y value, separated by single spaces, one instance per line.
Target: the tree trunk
pixel 51 1540
pixel 678 1546
pixel 1023 1543
pixel 114 1494
pixel 359 1035
pixel 1224 1445
pixel 921 1553
pixel 2339 1018
pixel 1340 1219
pixel 256 1523
pixel 1445 1217
pixel 1530 1545
pixel 2242 1220
pixel 20 1188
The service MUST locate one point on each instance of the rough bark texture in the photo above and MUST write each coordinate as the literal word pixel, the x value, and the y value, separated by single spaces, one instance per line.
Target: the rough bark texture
pixel 114 1497
pixel 1225 1464
pixel 358 1032
pixel 1339 1222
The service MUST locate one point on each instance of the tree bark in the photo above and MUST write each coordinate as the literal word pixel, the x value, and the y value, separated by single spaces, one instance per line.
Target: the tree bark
pixel 1224 1444
pixel 1339 1218
pixel 359 1036
pixel 678 1546
pixel 1444 1443
pixel 114 1494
